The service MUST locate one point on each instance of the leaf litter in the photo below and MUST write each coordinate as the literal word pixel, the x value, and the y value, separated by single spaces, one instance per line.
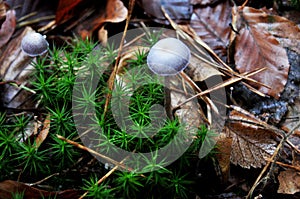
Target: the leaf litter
pixel 268 37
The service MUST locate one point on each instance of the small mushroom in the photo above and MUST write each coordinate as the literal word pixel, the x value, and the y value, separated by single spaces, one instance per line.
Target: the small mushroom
pixel 168 57
pixel 34 44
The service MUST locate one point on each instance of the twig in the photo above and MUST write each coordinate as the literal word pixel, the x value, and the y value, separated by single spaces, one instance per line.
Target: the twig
pixel 221 85
pixel 40 181
pixel 26 23
pixel 284 165
pixel 104 177
pixel 114 73
pixel 94 152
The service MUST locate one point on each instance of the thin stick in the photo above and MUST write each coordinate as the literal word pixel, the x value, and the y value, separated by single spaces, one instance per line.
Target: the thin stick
pixel 221 85
pixel 40 181
pixel 284 165
pixel 114 73
pixel 104 177
pixel 94 152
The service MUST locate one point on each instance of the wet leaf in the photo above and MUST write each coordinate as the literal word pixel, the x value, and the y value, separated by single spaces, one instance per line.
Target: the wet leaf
pixel 9 187
pixel 212 25
pixel 251 143
pixel 289 182
pixel 256 47
pixel 7 27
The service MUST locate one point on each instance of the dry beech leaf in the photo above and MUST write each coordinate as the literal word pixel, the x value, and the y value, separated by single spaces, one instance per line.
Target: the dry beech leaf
pixel 190 112
pixel 224 144
pixel 9 187
pixel 256 48
pixel 44 132
pixel 285 31
pixel 199 70
pixel 212 25
pixel 251 143
pixel 115 12
pixel 289 182
pixel 15 66
pixel 7 27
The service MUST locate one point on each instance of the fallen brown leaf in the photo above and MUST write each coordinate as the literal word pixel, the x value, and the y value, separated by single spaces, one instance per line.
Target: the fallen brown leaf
pixel 44 132
pixel 15 66
pixel 7 27
pixel 9 187
pixel 289 182
pixel 285 31
pixel 64 10
pixel 256 47
pixel 224 149
pixel 212 25
pixel 251 143
pixel 115 12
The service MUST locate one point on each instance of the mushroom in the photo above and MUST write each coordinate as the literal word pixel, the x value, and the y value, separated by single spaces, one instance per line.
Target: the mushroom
pixel 34 44
pixel 168 57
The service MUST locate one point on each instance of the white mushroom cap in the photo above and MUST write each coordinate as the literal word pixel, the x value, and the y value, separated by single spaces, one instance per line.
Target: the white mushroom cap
pixel 34 44
pixel 168 56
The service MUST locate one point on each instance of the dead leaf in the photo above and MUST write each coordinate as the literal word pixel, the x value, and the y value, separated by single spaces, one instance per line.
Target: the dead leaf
pixel 7 27
pixel 256 48
pixel 199 70
pixel 9 187
pixel 3 10
pixel 289 182
pixel 15 66
pixel 115 12
pixel 177 9
pixel 224 144
pixel 251 143
pixel 102 36
pixel 64 10
pixel 44 132
pixel 286 32
pixel 212 25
